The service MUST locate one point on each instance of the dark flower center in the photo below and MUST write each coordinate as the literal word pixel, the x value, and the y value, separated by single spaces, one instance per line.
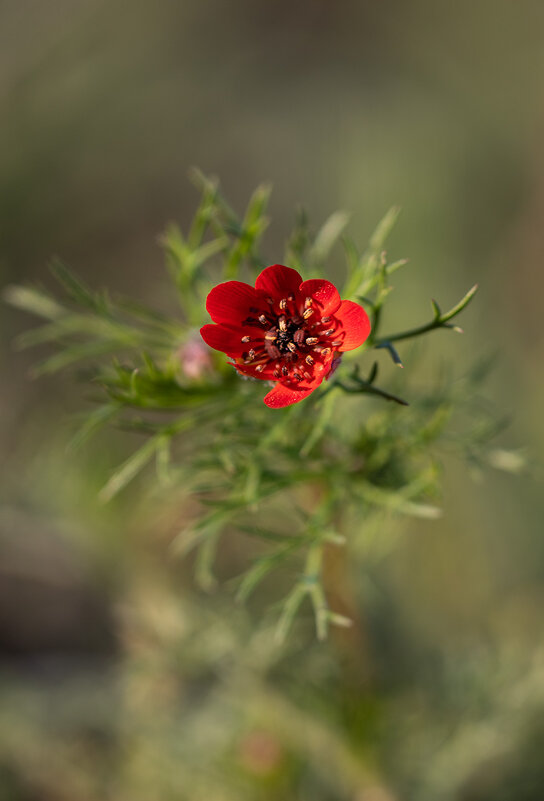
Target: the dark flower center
pixel 283 338
pixel 295 337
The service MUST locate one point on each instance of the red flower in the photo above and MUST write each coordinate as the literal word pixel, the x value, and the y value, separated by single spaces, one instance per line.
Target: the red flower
pixel 285 330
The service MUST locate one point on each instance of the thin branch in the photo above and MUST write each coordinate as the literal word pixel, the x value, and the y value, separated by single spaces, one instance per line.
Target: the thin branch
pixel 439 321
pixel 363 387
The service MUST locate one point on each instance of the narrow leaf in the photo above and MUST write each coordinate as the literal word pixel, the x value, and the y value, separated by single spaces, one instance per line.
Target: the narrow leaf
pixel 328 235
pixel 129 470
pixel 383 229
pixel 77 290
pixel 96 420
pixel 74 353
pixel 35 301
pixel 463 303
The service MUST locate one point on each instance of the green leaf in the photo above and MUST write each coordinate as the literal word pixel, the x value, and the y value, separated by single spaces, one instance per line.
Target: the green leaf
pixel 96 420
pixel 129 469
pixel 207 526
pixel 400 499
pixel 383 229
pixel 149 317
pixel 290 608
pixel 395 265
pixel 257 572
pixel 257 206
pixel 328 235
pixel 298 242
pixel 35 301
pixel 163 461
pixel 204 562
pixel 78 291
pixel 207 250
pixel 507 460
pixel 321 611
pixel 458 308
pixel 213 197
pixel 248 234
pixel 72 354
pixel 372 269
pixel 322 420
pixel 68 325
pixel 336 619
pixel 352 255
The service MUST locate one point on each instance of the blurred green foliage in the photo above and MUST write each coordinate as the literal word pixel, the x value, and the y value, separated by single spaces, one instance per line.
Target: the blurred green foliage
pixel 117 680
pixel 298 463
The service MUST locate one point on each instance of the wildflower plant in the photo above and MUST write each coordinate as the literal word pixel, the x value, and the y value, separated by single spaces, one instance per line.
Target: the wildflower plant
pixel 338 452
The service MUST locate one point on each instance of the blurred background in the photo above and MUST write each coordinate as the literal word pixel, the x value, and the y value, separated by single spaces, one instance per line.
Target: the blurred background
pixel 118 680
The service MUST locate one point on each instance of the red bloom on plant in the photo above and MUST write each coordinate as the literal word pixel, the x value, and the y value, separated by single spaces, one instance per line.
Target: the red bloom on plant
pixel 285 330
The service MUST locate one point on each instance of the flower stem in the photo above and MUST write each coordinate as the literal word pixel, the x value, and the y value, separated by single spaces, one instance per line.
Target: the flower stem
pixel 439 321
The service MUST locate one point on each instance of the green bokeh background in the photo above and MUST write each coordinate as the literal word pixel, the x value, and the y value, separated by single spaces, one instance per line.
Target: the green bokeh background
pixel 118 680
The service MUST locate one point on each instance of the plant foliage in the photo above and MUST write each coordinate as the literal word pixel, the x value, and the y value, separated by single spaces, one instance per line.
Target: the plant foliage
pixel 301 480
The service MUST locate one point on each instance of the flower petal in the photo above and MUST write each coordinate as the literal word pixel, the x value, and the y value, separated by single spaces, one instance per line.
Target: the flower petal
pixel 318 373
pixel 231 302
pixel 267 373
pixel 227 338
pixel 354 325
pixel 278 281
pixel 284 396
pixel 323 293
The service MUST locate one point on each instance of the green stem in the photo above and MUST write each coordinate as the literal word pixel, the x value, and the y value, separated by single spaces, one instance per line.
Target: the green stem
pixel 314 588
pixel 364 388
pixel 439 321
